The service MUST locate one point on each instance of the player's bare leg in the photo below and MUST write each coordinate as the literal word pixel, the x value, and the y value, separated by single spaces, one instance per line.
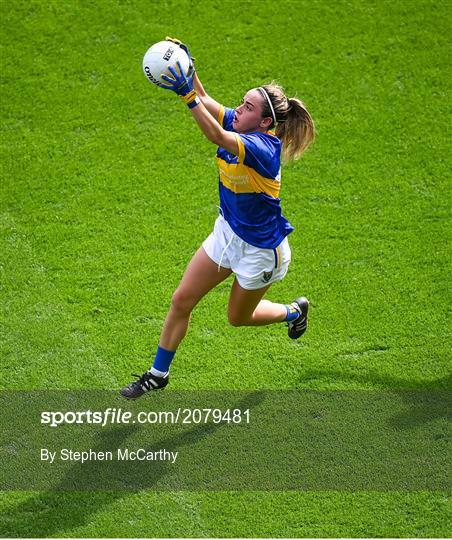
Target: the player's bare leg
pixel 201 276
pixel 248 308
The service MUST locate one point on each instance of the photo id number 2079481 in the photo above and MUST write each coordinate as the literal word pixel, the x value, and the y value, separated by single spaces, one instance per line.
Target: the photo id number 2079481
pixel 216 416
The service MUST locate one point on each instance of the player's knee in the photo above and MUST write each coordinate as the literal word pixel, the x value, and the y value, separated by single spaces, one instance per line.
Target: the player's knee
pixel 182 301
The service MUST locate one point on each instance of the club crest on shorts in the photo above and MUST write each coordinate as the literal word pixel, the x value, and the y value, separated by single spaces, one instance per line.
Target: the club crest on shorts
pixel 267 276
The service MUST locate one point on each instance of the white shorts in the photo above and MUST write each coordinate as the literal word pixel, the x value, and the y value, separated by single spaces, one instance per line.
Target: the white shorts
pixel 254 267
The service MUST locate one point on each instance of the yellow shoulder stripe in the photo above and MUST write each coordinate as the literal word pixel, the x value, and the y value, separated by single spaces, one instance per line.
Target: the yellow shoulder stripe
pixel 221 115
pixel 241 148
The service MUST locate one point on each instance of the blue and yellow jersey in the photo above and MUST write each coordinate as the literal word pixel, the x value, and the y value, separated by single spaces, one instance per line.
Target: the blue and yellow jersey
pixel 249 186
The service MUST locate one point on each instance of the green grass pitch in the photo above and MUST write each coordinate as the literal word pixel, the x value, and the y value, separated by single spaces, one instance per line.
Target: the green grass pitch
pixel 108 188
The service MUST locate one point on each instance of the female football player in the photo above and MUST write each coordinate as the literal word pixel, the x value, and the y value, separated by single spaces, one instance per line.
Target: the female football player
pixel 249 238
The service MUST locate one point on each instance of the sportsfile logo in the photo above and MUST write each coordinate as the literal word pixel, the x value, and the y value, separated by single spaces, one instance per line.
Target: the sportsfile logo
pixel 168 54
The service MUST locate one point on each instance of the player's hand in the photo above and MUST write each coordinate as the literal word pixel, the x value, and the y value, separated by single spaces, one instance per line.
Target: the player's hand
pixel 191 65
pixel 179 82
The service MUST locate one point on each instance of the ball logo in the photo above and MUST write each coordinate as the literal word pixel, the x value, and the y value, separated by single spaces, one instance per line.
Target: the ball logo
pixel 168 54
pixel 150 76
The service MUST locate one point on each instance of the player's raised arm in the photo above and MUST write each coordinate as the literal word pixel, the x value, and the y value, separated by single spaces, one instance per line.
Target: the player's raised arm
pixel 182 85
pixel 209 103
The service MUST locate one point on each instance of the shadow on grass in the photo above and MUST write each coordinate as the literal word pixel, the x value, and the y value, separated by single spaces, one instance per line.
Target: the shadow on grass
pixel 58 511
pixel 425 401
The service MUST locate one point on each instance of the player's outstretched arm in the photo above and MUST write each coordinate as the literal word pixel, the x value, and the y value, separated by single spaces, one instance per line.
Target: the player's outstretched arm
pixel 209 103
pixel 182 85
pixel 213 131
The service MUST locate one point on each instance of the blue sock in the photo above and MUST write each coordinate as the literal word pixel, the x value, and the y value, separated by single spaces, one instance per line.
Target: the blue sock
pixel 292 313
pixel 162 361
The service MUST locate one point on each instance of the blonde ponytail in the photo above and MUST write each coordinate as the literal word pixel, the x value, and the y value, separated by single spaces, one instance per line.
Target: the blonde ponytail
pixel 294 125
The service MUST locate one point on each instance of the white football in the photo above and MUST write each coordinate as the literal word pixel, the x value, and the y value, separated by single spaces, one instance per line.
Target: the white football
pixel 160 57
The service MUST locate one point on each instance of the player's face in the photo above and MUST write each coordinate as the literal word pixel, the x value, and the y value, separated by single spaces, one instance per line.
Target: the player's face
pixel 248 115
